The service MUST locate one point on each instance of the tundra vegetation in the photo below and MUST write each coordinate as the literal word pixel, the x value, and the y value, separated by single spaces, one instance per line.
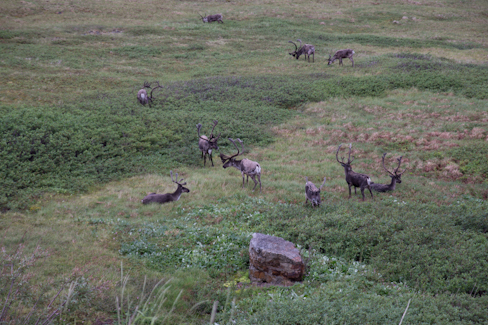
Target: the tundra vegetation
pixel 78 153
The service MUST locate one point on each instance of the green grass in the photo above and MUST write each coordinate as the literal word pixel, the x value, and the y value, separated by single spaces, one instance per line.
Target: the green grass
pixel 78 153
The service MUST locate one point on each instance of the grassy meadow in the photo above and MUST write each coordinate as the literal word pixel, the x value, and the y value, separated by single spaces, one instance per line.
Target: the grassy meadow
pixel 78 153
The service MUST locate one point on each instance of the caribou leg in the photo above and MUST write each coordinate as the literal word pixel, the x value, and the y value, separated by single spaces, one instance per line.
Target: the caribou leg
pixel 369 188
pixel 259 178
pixel 255 183
pixel 352 61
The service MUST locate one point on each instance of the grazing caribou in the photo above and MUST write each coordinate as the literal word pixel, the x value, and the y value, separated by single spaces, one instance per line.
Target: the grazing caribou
pixel 312 193
pixel 245 166
pixel 142 96
pixel 212 18
pixel 168 197
pixel 206 145
pixel 352 178
pixel 342 54
pixel 306 49
pixel 396 178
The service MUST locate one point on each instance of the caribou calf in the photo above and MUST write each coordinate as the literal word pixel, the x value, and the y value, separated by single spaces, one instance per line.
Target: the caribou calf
pixel 342 54
pixel 306 49
pixel 168 197
pixel 396 178
pixel 212 18
pixel 142 96
pixel 352 178
pixel 245 166
pixel 206 145
pixel 312 193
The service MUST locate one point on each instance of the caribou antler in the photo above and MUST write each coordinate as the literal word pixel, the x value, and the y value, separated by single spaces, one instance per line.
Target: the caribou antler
pixel 395 172
pixel 296 47
pixel 399 163
pixel 158 86
pixel 349 161
pixel 322 183
pixel 299 40
pixel 199 126
pixel 337 153
pixel 383 159
pixel 242 145
pixel 176 179
pixel 235 145
pixel 211 133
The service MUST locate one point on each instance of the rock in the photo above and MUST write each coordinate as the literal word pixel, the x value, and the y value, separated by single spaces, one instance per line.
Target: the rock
pixel 322 23
pixel 274 260
pixel 404 17
pixel 396 22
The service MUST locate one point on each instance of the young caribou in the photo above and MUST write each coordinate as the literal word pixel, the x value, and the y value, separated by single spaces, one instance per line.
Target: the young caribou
pixel 212 18
pixel 142 96
pixel 396 178
pixel 168 197
pixel 306 49
pixel 342 54
pixel 206 145
pixel 352 178
pixel 245 166
pixel 312 193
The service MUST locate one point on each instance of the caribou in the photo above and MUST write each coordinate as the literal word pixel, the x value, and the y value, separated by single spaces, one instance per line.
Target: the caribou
pixel 206 145
pixel 342 54
pixel 312 193
pixel 168 197
pixel 212 18
pixel 352 178
pixel 306 49
pixel 396 178
pixel 245 166
pixel 142 96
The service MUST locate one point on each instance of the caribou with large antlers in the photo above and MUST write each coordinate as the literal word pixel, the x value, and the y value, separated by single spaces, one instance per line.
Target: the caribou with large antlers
pixel 352 178
pixel 396 178
pixel 306 49
pixel 312 193
pixel 245 166
pixel 142 96
pixel 168 197
pixel 206 145
pixel 342 54
pixel 212 18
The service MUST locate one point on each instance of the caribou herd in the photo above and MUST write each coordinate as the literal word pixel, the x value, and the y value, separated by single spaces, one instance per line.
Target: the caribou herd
pixel 249 168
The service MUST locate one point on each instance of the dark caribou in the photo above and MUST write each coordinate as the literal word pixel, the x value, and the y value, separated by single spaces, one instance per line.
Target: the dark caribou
pixel 352 178
pixel 168 197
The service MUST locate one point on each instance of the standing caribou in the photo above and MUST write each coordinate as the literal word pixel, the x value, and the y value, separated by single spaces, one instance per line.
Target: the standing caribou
pixel 245 166
pixel 206 145
pixel 312 193
pixel 352 178
pixel 306 49
pixel 342 54
pixel 142 96
pixel 396 178
pixel 168 197
pixel 212 18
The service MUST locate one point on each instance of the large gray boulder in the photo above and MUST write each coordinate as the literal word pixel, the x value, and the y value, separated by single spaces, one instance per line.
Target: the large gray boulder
pixel 274 260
